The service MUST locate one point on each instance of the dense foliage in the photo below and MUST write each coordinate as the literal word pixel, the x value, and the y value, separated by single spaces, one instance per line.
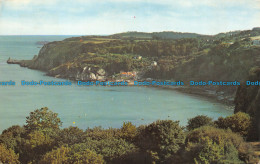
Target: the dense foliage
pixel 42 119
pixel 163 141
pixel 163 137
pixel 198 121
pixel 8 155
pixel 65 155
pixel 238 123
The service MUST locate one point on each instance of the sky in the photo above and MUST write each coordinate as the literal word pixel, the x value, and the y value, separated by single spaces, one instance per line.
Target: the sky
pixel 103 17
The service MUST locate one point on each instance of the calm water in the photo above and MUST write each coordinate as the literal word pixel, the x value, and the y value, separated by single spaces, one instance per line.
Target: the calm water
pixel 88 106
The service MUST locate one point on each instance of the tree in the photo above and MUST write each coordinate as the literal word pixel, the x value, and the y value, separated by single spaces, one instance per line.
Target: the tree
pixel 58 156
pixel 8 155
pixel 110 148
pixel 128 131
pixel 87 157
pixel 65 155
pixel 218 139
pixel 198 121
pixel 41 119
pixel 238 123
pixel 35 145
pixel 221 153
pixel 12 137
pixel 163 136
pixel 71 136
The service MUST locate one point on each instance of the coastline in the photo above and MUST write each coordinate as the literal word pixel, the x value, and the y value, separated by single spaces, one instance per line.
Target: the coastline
pixel 211 93
pixel 208 93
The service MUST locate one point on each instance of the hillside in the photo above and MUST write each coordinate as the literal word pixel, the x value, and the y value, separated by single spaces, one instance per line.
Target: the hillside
pixel 155 35
pixel 223 57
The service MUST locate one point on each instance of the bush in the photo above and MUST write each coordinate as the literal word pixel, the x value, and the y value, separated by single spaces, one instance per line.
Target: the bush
pixel 128 131
pixel 65 155
pixel 223 138
pixel 212 152
pixel 86 157
pixel 238 123
pixel 59 155
pixel 198 121
pixel 71 136
pixel 35 145
pixel 110 148
pixel 8 155
pixel 12 137
pixel 98 133
pixel 162 137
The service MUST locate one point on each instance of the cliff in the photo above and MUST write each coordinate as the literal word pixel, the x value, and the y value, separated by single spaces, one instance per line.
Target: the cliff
pixel 248 100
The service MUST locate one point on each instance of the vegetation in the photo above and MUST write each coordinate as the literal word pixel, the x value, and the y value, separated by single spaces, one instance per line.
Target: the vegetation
pixel 163 137
pixel 8 155
pixel 179 56
pixel 42 119
pixel 238 123
pixel 198 121
pixel 162 141
pixel 65 155
pixel 220 139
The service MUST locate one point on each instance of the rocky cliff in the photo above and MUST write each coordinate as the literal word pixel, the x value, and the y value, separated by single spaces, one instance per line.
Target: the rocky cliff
pixel 59 59
pixel 248 100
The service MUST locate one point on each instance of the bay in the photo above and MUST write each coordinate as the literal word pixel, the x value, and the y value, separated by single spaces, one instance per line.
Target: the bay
pixel 88 106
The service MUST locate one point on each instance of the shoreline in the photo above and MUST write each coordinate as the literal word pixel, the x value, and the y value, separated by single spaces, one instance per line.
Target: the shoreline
pixel 210 93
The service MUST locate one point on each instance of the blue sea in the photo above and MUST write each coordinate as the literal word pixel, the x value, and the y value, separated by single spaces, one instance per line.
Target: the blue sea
pixel 88 106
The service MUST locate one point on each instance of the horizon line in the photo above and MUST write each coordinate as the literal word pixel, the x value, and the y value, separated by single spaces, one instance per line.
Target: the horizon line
pixel 119 33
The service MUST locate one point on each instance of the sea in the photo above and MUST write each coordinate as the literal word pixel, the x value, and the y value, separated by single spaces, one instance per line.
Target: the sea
pixel 88 106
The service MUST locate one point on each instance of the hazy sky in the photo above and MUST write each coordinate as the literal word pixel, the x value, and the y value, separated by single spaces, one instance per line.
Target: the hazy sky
pixel 85 17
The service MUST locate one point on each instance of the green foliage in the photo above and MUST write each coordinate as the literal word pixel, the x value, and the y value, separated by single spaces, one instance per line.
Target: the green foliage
pixel 163 136
pixel 86 157
pixel 221 153
pixel 238 123
pixel 219 137
pixel 198 121
pixel 98 133
pixel 58 156
pixel 163 141
pixel 110 148
pixel 35 145
pixel 128 131
pixel 42 119
pixel 8 155
pixel 12 137
pixel 70 136
pixel 64 155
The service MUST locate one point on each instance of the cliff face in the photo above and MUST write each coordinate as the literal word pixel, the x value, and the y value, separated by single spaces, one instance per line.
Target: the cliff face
pixel 55 54
pixel 60 59
pixel 78 73
pixel 248 100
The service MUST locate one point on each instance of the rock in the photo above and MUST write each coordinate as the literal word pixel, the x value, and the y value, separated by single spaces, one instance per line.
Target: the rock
pixel 101 72
pixel 92 76
pixel 101 78
pixel 13 61
pixel 85 69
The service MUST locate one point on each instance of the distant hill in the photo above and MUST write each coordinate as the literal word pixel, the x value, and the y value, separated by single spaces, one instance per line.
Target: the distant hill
pixel 162 35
